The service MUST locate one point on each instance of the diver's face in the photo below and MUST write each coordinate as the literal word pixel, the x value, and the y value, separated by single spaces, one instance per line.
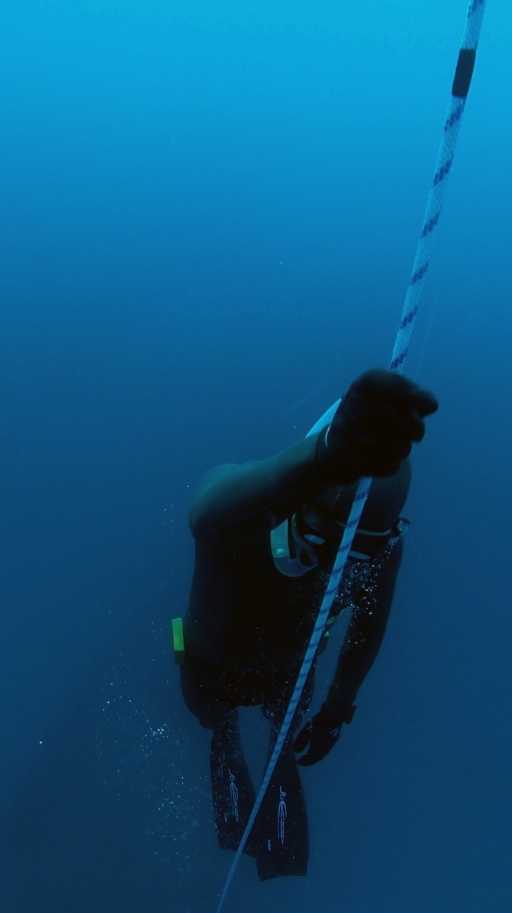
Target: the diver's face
pixel 323 531
pixel 321 522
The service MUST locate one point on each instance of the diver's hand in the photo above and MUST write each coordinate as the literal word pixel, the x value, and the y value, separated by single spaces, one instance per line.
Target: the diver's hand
pixel 375 425
pixel 319 736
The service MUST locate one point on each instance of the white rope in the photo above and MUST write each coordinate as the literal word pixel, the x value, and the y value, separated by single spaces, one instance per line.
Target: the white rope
pixel 460 90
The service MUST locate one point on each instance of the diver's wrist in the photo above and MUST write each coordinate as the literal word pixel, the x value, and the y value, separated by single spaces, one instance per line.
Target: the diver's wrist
pixel 336 713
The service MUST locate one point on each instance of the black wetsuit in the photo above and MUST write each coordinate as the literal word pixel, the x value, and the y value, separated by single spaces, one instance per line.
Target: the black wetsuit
pixel 246 631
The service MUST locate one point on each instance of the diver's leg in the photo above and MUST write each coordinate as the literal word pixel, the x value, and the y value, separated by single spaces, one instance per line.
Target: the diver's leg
pixel 232 789
pixel 282 824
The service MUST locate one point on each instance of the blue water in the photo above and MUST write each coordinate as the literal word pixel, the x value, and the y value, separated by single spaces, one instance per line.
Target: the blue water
pixel 208 222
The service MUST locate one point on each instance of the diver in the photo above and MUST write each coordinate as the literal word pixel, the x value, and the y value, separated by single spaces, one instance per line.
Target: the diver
pixel 266 536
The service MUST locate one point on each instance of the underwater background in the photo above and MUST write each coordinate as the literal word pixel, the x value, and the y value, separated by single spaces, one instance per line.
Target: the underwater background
pixel 209 214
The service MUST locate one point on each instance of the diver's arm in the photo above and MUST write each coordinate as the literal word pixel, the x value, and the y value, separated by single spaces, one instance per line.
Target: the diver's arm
pixel 363 640
pixel 261 493
pixel 370 434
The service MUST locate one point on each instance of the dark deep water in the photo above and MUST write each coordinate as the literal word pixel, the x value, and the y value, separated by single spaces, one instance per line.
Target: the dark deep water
pixel 208 220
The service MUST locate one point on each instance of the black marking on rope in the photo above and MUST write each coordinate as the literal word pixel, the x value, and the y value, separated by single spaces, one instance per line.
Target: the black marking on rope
pixel 464 73
pixel 409 318
pixel 475 6
pixel 455 117
pixel 430 225
pixel 399 360
pixel 417 276
pixel 443 172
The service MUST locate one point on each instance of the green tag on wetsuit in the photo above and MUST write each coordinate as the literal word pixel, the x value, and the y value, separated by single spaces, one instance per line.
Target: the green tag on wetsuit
pixel 177 639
